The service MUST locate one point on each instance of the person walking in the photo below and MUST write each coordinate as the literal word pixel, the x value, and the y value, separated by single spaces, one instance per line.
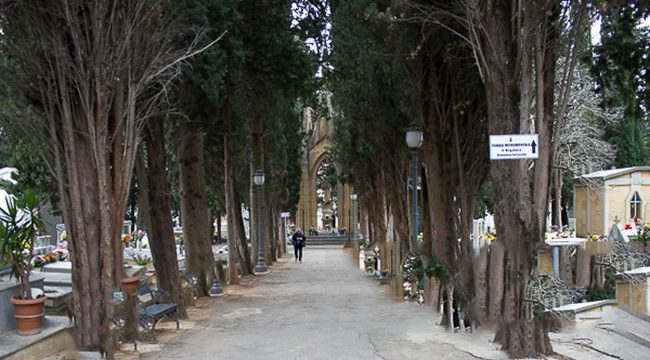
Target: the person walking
pixel 298 241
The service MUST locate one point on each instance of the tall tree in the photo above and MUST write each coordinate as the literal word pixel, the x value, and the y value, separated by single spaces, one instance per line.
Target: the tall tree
pixel 94 69
pixel 199 99
pixel 161 230
pixel 372 110
pixel 194 206
pixel 620 66
pixel 516 47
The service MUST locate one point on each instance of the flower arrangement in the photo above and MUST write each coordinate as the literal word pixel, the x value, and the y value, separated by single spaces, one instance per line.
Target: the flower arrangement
pixel 644 233
pixel 138 235
pixel 141 259
pixel 126 239
pixel 597 237
pixel 628 226
pixel 564 233
pixel 38 261
pixel 57 255
pixel 491 236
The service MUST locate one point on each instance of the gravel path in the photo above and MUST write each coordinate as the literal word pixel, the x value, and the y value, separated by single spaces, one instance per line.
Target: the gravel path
pixel 323 308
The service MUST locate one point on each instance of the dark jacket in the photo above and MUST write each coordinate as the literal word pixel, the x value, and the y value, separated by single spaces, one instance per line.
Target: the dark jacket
pixel 298 239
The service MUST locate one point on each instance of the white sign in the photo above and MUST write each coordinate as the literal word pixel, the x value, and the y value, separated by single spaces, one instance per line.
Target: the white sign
pixel 285 214
pixel 508 147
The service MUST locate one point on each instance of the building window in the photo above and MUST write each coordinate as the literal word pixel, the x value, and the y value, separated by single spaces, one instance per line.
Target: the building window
pixel 635 206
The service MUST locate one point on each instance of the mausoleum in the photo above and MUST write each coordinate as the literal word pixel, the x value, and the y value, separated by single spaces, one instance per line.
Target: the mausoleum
pixel 601 196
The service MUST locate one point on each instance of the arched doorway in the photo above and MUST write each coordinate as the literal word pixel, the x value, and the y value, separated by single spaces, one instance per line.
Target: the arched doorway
pixel 323 199
pixel 327 189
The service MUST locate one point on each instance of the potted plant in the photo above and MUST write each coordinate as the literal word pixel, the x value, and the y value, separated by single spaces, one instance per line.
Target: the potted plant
pixel 19 225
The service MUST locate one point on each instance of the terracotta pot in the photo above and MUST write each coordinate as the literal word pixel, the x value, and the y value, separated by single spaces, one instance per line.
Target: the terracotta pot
pixel 29 314
pixel 130 285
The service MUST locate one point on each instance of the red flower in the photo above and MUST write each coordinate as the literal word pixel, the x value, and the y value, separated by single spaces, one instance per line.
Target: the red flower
pixel 628 227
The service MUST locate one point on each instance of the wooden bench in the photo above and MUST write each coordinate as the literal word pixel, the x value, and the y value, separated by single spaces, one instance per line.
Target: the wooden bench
pixel 154 305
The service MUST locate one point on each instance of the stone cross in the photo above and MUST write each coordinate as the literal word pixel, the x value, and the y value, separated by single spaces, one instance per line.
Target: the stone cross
pixel 617 220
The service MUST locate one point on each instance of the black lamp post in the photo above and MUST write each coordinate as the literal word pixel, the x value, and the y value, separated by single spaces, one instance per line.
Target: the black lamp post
pixel 414 139
pixel 260 267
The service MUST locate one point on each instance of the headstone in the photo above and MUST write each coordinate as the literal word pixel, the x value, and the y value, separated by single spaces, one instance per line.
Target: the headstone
pixel 617 233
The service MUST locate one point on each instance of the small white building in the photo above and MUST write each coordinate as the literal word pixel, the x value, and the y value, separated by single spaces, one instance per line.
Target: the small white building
pixel 602 196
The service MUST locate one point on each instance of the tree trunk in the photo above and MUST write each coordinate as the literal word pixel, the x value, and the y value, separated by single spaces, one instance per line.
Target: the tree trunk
pixel 566 267
pixel 161 230
pixel 194 206
pixel 93 195
pixel 583 268
pixel 497 281
pixel 269 234
pixel 231 213
pixel 480 300
pixel 144 209
pixel 519 209
pixel 273 215
pixel 245 256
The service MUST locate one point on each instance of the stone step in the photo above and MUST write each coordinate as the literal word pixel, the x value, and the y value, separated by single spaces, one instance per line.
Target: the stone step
pixel 325 242
pixel 61 267
pixel 63 279
pixel 57 299
pixel 57 279
pixel 54 338
pixel 327 239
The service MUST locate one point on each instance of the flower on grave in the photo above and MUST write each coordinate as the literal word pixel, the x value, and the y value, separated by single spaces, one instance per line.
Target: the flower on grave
pixel 61 254
pixel 138 235
pixel 628 227
pixel 491 236
pixel 126 239
pixel 644 233
pixel 50 258
pixel 63 236
pixel 598 237
pixel 141 259
pixel 38 261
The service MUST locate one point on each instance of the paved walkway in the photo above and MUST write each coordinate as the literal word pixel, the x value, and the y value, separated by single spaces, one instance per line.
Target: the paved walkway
pixel 323 308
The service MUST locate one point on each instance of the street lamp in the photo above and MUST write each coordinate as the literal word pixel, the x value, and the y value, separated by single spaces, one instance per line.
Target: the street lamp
pixel 414 138
pixel 353 197
pixel 258 179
